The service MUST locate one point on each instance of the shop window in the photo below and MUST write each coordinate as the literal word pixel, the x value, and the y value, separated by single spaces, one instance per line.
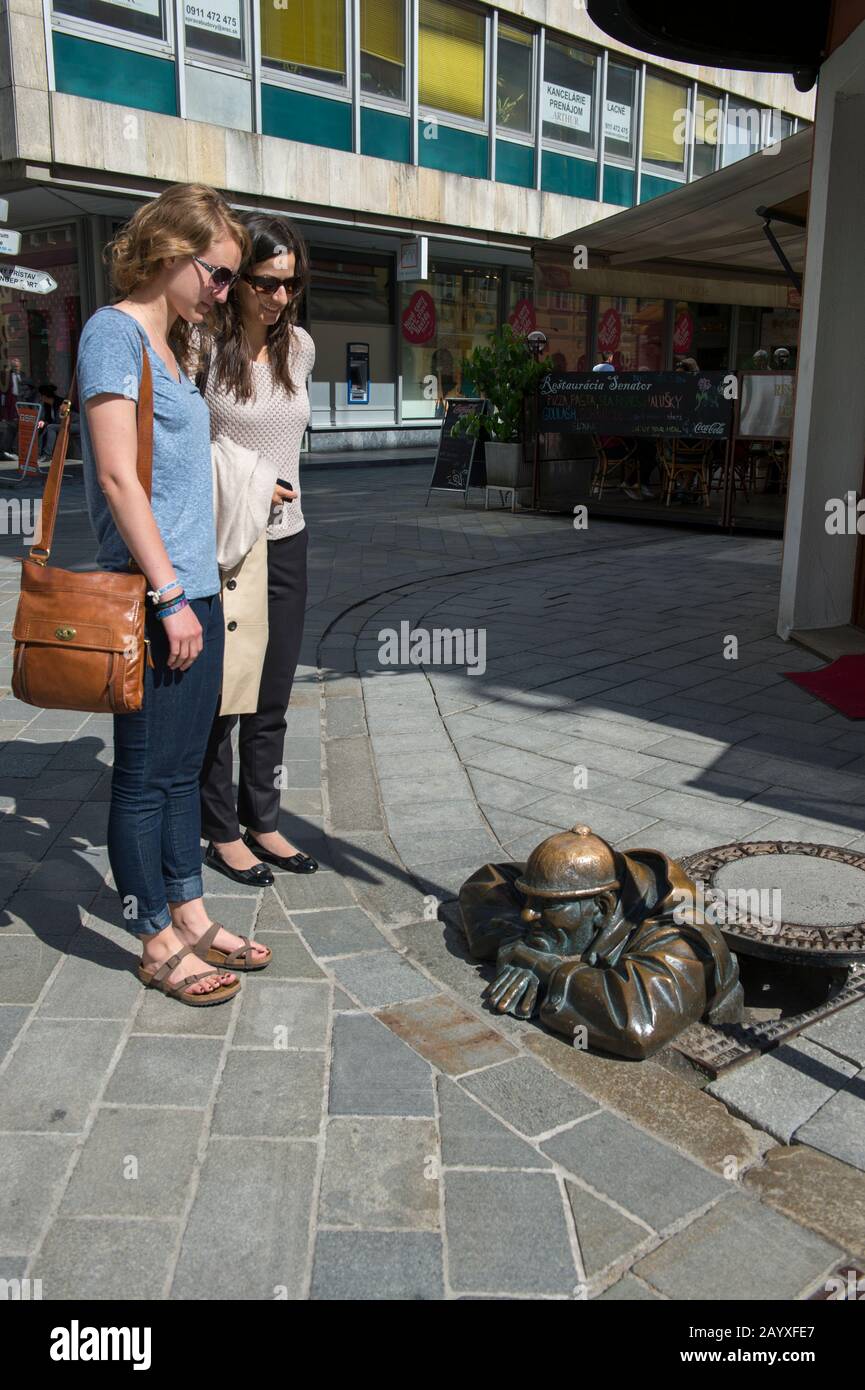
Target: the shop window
pixel 382 48
pixel 619 112
pixel 514 78
pixel 307 41
pixel 633 331
pixel 142 17
pixel 742 132
pixel 563 314
pixel 568 98
pixel 442 320
pixel 702 331
pixel 452 59
pixel 216 27
pixel 665 124
pixel 708 120
pixel 349 289
pixel 42 331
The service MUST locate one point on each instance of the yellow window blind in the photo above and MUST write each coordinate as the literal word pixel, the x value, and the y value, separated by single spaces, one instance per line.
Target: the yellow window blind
pixel 514 35
pixel 381 29
pixel 663 120
pixel 310 33
pixel 451 71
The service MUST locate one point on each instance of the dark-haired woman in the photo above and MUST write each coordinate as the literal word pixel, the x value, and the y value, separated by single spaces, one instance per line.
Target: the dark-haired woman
pixel 257 393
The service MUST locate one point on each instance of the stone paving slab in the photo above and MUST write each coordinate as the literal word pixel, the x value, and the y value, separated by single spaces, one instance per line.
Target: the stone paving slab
pixel 838 1127
pixel 88 1258
pixel 400 1266
pixel 380 1173
pixel 507 1233
pixel 645 1178
pixel 742 1250
pixel 783 1089
pixel 527 1096
pixel 448 1036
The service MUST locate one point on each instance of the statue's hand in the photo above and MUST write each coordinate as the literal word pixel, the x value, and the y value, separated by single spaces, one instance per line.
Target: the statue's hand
pixel 514 991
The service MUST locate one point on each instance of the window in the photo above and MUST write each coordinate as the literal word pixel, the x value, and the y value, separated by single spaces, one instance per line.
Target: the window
pixel 42 331
pixel 619 122
pixel 144 17
pixel 633 331
pixel 568 102
pixel 514 79
pixel 562 314
pixel 349 290
pixel 776 126
pixel 216 27
pixel 307 40
pixel 452 59
pixel 665 124
pixel 742 132
pixel 382 48
pixel 708 119
pixel 702 331
pixel 461 309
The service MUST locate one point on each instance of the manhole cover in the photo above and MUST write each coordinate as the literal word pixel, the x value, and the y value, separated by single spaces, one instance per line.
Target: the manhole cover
pixel 788 899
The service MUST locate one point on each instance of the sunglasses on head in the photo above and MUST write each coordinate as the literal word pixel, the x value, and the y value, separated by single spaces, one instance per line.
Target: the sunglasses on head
pixel 269 284
pixel 221 278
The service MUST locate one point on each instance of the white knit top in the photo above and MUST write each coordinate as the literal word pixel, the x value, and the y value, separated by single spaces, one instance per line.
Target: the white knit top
pixel 272 422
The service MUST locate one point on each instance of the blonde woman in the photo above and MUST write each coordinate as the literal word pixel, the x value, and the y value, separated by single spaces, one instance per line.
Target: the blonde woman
pixel 257 393
pixel 176 259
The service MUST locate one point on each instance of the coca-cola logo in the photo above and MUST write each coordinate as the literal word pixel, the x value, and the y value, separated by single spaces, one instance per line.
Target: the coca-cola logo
pixel 522 318
pixel 716 427
pixel 419 318
pixel 683 332
pixel 610 331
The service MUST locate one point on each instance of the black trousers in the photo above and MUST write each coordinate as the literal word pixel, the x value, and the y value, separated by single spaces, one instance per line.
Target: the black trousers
pixel 262 735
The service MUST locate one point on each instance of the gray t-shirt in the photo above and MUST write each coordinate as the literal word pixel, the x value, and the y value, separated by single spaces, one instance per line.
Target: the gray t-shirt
pixel 109 360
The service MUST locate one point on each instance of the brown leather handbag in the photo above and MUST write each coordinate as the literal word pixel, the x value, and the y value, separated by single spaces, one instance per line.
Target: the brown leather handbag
pixel 79 635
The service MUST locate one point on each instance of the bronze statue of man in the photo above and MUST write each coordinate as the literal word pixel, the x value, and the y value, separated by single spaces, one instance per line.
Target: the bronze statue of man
pixel 592 938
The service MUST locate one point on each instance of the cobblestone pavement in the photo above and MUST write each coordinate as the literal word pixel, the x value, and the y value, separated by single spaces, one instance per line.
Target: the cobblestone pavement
pixel 367 1128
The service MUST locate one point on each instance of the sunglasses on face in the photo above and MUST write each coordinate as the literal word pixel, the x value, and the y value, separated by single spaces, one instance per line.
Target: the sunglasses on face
pixel 269 284
pixel 221 278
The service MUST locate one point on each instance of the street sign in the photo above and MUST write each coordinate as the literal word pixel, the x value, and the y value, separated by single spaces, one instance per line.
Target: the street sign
pixel 20 277
pixel 10 243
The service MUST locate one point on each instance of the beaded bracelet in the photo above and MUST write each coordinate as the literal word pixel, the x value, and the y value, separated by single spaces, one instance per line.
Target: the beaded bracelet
pixel 171 608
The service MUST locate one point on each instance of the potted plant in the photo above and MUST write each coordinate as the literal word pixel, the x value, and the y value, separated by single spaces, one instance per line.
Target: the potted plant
pixel 504 373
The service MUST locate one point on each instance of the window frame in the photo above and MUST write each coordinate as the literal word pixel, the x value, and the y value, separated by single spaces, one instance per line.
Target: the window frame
pixel 114 35
pixel 477 126
pixel 200 58
pixel 549 142
pixel 503 132
pixel 376 99
pixel 647 166
pixel 275 76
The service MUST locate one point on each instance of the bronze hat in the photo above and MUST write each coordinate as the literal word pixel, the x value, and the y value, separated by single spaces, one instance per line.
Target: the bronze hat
pixel 571 864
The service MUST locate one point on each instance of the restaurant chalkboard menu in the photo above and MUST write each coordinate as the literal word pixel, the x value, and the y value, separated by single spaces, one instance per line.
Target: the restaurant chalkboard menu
pixel 688 405
pixel 456 457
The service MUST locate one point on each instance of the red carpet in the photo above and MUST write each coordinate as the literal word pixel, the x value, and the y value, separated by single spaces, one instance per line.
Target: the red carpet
pixel 841 685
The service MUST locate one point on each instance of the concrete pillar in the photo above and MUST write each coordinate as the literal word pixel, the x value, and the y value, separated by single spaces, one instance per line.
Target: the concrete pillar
pixel 829 423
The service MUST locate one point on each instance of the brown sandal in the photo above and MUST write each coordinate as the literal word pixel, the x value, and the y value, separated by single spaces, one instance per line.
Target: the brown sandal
pixel 239 959
pixel 158 979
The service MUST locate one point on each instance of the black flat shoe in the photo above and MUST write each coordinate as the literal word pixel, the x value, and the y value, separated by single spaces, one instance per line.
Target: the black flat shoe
pixel 259 876
pixel 292 863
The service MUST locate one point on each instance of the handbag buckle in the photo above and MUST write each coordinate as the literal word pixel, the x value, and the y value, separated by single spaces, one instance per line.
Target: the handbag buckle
pixel 42 557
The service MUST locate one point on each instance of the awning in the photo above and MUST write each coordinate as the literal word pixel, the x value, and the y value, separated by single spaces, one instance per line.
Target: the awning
pixel 711 227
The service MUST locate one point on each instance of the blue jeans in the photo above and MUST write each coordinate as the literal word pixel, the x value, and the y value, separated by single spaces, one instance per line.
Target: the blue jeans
pixel 154 826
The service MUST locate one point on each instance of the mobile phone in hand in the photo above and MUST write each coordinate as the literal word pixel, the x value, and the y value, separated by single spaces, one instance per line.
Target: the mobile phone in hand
pixel 281 482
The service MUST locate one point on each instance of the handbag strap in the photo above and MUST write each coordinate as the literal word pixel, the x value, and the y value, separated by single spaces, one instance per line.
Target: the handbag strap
pixel 143 461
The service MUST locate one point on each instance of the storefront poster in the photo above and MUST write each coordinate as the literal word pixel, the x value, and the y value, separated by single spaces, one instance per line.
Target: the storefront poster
pixel 564 106
pixel 610 331
pixel 766 409
pixel 617 121
pixel 780 328
pixel 683 332
pixel 419 318
pixel 217 16
pixel 522 318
